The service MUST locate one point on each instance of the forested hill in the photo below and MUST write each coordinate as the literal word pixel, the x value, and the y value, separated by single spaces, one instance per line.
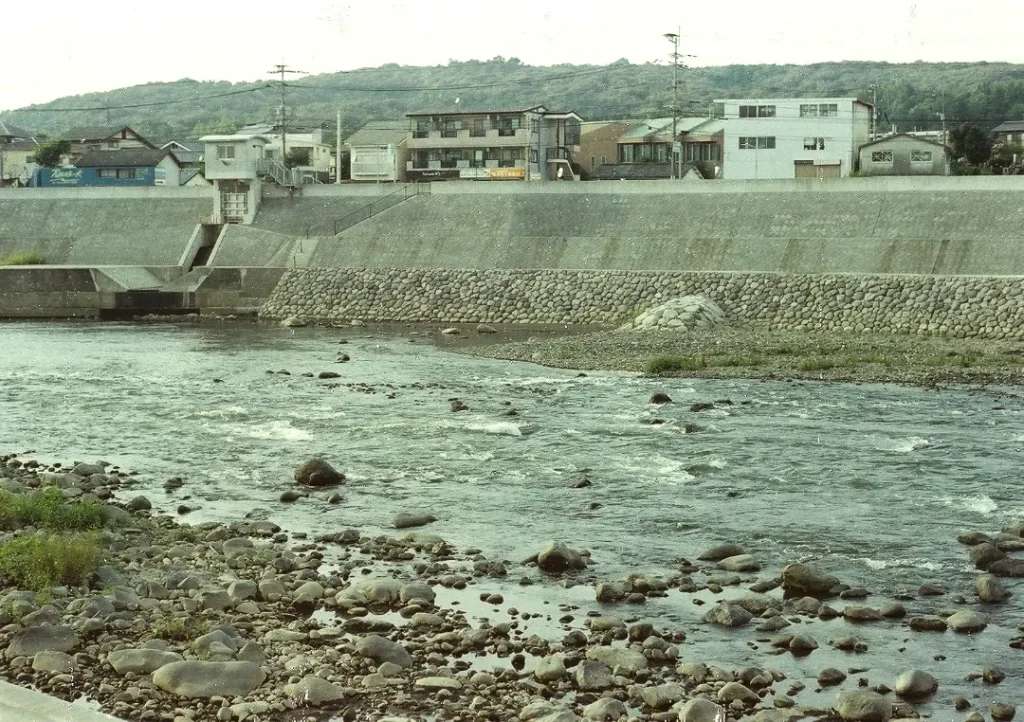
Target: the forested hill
pixel 910 95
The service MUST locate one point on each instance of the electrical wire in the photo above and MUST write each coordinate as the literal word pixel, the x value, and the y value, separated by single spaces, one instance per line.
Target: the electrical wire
pixel 144 105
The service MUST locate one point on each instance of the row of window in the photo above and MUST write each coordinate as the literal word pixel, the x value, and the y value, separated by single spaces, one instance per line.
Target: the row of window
pixel 807 110
pixel 121 173
pixel 507 125
pixel 476 157
pixel 887 157
pixel 757 142
pixel 644 152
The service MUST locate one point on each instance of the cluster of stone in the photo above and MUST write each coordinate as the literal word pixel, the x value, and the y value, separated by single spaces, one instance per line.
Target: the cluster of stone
pixel 958 306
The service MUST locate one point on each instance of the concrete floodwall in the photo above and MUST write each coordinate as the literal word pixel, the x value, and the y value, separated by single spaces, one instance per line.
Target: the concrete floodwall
pixel 111 228
pixel 37 292
pixel 312 214
pixel 784 228
pixel 252 246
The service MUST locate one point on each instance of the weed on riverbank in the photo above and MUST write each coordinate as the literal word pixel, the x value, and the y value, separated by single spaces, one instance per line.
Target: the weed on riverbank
pixel 48 509
pixel 22 258
pixel 41 561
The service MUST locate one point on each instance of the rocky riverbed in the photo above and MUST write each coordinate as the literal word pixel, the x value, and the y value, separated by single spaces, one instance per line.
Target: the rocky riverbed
pixel 242 620
pixel 753 352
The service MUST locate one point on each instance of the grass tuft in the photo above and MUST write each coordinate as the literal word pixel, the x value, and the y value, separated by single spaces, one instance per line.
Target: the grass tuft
pixel 661 365
pixel 816 363
pixel 22 258
pixel 48 509
pixel 177 629
pixel 41 561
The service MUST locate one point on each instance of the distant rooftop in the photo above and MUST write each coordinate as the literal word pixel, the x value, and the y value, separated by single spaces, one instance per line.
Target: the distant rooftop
pixel 1010 126
pixel 12 131
pixel 124 158
pixel 380 132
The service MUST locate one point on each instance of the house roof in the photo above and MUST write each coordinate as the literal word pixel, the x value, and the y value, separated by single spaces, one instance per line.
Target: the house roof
pixel 12 131
pixel 29 145
pixel 479 111
pixel 187 174
pixel 657 130
pixel 193 144
pixel 85 134
pixel 908 136
pixel 186 156
pixel 124 158
pixel 240 138
pixel 1010 126
pixel 380 132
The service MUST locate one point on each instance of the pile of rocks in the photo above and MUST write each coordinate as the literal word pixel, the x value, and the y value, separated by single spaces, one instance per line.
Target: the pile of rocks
pixel 685 312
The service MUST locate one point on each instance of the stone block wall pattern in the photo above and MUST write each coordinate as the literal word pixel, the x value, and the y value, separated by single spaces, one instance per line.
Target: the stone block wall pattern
pixel 959 306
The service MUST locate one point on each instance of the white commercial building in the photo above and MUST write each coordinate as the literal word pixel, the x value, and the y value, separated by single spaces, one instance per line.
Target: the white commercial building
pixel 774 138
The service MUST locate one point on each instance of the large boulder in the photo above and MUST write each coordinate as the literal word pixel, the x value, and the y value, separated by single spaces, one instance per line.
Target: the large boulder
pixel 557 558
pixel 380 649
pixel 700 709
pixel 863 706
pixel 209 679
pixel 725 614
pixel 967 621
pixel 915 684
pixel 720 552
pixel 313 690
pixel 317 472
pixel 408 520
pixel 370 592
pixel 739 563
pixel 801 580
pixel 990 590
pixel 45 638
pixel 628 661
pixel 140 661
pixel 662 696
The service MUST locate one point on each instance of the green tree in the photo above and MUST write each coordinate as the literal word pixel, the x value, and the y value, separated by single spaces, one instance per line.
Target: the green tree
pixel 297 157
pixel 1005 155
pixel 971 143
pixel 49 154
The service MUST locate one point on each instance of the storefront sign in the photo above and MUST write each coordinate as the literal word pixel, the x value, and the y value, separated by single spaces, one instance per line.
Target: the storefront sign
pixel 62 176
pixel 506 173
pixel 433 174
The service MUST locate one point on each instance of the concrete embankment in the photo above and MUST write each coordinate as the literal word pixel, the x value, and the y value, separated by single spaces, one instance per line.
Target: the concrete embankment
pixel 964 306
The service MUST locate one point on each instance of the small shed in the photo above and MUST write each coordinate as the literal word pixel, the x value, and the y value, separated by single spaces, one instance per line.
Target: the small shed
pixel 378 151
pixel 904 154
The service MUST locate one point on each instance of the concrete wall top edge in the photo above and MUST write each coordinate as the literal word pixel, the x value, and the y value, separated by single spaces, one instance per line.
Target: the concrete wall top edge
pixel 12 194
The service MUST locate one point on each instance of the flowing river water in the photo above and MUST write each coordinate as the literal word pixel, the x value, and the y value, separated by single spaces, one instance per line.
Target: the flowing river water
pixel 871 482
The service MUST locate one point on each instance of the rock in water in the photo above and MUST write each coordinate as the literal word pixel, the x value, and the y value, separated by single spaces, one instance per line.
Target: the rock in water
pixel 209 679
pixel 728 615
pixel 800 580
pixel 967 622
pixel 990 590
pixel 557 558
pixel 660 398
pixel 863 706
pixel 317 472
pixel 406 520
pixel 380 649
pixel 915 684
pixel 720 552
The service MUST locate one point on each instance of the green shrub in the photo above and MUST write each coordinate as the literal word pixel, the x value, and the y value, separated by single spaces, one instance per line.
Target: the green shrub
pixel 48 509
pixel 816 363
pixel 736 361
pixel 660 365
pixel 177 629
pixel 22 258
pixel 41 561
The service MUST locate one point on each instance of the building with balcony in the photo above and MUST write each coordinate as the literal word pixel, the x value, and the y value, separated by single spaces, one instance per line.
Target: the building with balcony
pixel 644 150
pixel 304 146
pixel 792 137
pixel 531 143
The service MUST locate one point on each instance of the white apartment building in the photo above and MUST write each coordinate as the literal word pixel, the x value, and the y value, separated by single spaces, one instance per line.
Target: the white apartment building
pixel 319 156
pixel 774 138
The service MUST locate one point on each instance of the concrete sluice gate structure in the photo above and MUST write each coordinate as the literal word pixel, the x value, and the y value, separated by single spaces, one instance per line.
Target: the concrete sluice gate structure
pixel 110 252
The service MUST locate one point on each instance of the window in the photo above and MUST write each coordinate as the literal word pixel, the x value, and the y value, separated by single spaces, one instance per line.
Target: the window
pixel 478 129
pixel 422 128
pixel 814 144
pixel 106 173
pixel 816 110
pixel 757 111
pixel 920 156
pixel 126 173
pixel 881 156
pixel 701 151
pixel 507 157
pixel 809 110
pixel 451 128
pixel 226 152
pixel 828 110
pixel 757 143
pixel 509 124
pixel 533 155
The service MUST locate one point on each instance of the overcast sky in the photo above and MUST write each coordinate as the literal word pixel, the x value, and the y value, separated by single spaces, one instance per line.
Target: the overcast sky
pixel 65 48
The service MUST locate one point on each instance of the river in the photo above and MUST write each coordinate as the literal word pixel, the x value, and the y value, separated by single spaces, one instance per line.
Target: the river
pixel 873 482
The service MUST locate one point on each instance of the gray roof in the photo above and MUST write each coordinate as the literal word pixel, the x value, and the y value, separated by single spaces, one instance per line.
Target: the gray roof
pixel 380 132
pixel 187 174
pixel 125 158
pixel 21 145
pixel 188 156
pixel 1010 126
pixel 98 132
pixel 658 130
pixel 12 131
pixel 908 136
pixel 459 110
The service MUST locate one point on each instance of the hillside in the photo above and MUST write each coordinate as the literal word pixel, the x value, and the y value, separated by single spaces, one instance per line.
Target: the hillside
pixel 910 95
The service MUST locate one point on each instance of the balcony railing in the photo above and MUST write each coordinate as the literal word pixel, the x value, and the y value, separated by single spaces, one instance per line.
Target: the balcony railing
pixel 560 152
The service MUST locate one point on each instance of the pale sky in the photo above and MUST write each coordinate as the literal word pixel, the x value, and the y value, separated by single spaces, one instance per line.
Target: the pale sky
pixel 64 48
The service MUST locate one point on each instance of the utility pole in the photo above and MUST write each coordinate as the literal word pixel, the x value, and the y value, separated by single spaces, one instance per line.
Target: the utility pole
pixel 874 110
pixel 337 152
pixel 280 69
pixel 674 39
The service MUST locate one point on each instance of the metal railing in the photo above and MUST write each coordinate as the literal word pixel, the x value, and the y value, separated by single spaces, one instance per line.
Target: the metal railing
pixel 392 199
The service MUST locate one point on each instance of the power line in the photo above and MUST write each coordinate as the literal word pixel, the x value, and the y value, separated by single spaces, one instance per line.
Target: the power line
pixel 143 105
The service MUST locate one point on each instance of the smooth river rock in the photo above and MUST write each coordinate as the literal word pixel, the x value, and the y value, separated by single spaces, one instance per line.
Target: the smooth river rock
pixel 700 709
pixel 317 472
pixel 313 690
pixel 801 580
pixel 863 706
pixel 48 638
pixel 967 621
pixel 557 558
pixel 209 679
pixel 915 684
pixel 408 520
pixel 140 661
pixel 380 649
pixel 627 660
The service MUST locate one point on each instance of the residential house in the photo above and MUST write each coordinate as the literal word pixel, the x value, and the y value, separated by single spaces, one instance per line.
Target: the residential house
pixel 1009 133
pixel 904 154
pixel 17 151
pixel 190 157
pixel 644 150
pixel 379 151
pixel 315 155
pixel 131 167
pixel 766 138
pixel 235 164
pixel 102 138
pixel 599 145
pixel 531 143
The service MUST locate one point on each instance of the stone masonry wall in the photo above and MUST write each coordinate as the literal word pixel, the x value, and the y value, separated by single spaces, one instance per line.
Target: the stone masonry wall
pixel 963 306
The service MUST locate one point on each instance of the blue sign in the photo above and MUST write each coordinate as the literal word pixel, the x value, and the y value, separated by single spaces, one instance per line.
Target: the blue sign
pixel 71 177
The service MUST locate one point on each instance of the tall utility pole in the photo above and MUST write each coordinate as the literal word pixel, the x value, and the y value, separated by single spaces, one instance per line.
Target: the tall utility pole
pixel 674 39
pixel 337 151
pixel 874 111
pixel 281 70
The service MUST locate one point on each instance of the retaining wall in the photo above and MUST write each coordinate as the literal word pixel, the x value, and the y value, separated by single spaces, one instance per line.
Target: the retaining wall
pixel 965 306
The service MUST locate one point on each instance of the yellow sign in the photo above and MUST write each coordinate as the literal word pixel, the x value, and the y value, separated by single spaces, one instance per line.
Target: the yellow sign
pixel 506 173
